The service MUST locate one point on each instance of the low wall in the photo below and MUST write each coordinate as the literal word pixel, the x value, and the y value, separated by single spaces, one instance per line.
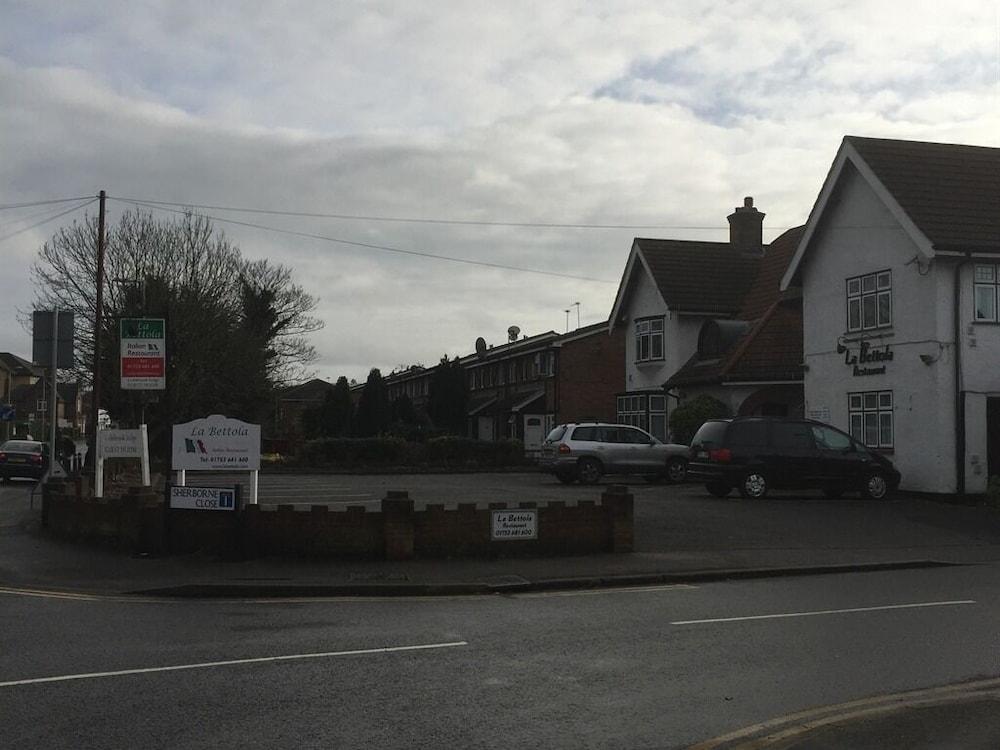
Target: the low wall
pixel 139 522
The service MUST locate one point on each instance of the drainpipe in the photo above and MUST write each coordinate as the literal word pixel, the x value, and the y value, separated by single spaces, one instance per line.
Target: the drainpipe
pixel 959 393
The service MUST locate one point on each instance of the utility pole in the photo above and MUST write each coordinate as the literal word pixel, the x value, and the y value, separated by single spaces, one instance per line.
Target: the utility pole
pixel 567 319
pixel 577 314
pixel 95 395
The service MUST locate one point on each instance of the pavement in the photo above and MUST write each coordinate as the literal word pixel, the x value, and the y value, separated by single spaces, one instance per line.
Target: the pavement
pixel 682 535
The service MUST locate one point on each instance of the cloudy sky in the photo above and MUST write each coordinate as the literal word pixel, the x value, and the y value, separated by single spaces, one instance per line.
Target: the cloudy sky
pixel 656 115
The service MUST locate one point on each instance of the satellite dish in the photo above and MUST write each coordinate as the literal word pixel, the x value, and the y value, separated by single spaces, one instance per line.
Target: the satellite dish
pixel 512 333
pixel 481 346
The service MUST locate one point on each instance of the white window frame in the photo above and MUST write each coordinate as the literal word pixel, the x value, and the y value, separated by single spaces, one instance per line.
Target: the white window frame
pixel 658 411
pixel 985 278
pixel 632 410
pixel 870 416
pixel 873 288
pixel 649 331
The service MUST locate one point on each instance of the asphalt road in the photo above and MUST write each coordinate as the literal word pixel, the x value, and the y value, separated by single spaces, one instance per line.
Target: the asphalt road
pixel 660 667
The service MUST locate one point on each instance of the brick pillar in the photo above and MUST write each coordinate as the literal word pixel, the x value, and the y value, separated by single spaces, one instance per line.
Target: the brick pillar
pixel 397 525
pixel 617 502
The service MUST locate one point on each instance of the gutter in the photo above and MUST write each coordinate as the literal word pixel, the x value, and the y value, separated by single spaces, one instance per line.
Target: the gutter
pixel 959 393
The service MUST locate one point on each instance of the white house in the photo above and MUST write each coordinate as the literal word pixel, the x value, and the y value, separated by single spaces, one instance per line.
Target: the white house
pixel 899 267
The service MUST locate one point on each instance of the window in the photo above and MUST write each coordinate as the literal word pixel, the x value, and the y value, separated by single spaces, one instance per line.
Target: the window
pixel 985 292
pixel 648 339
pixel 628 435
pixel 750 434
pixel 791 436
pixel 586 434
pixel 831 440
pixel 871 418
pixel 632 410
pixel 658 417
pixel 869 301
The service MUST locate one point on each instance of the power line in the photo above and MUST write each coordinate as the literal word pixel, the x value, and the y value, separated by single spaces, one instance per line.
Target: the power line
pixel 370 246
pixel 46 203
pixel 415 220
pixel 48 219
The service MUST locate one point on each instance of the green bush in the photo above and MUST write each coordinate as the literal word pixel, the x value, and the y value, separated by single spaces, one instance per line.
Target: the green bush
pixel 690 415
pixel 347 452
pixel 446 451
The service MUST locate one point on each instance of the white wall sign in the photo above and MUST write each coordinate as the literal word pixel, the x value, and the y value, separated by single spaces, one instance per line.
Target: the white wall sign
pixel 216 443
pixel 820 414
pixel 514 524
pixel 203 498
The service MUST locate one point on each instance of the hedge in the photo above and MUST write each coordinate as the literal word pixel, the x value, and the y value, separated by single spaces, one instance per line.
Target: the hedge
pixel 354 453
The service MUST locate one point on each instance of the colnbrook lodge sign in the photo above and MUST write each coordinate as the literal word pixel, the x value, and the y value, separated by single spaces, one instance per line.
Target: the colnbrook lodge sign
pixel 866 360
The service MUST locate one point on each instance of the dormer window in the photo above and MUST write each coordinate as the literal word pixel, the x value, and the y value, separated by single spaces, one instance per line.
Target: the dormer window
pixel 648 339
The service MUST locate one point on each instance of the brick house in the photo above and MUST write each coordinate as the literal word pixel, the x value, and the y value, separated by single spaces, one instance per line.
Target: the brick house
pixel 590 372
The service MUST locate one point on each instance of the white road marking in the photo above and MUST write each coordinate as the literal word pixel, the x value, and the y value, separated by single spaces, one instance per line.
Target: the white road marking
pixel 231 662
pixel 825 612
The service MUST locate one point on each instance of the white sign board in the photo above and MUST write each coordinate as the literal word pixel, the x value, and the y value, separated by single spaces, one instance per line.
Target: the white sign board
pixel 514 524
pixel 216 443
pixel 203 498
pixel 119 443
pixel 820 414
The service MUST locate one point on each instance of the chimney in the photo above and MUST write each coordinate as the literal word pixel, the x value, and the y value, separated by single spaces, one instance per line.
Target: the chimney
pixel 745 229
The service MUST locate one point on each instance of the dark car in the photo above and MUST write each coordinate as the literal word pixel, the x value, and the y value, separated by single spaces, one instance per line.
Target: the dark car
pixel 23 458
pixel 756 454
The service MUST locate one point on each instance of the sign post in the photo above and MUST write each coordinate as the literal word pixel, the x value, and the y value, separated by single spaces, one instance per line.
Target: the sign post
pixel 143 354
pixel 217 443
pixel 52 347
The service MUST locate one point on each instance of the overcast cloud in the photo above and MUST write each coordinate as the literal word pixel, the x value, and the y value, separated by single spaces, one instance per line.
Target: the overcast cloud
pixel 571 112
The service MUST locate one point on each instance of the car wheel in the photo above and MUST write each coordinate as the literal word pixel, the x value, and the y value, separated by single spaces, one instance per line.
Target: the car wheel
pixel 754 485
pixel 676 470
pixel 833 492
pixel 589 471
pixel 718 489
pixel 876 487
pixel 565 478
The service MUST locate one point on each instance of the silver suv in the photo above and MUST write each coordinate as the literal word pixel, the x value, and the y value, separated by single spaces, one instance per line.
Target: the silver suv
pixel 589 450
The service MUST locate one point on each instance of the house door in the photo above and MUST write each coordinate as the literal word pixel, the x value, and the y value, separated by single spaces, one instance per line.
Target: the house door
pixel 534 432
pixel 993 436
pixel 485 431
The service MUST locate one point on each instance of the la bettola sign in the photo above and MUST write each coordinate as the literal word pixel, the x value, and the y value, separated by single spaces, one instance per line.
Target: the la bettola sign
pixel 866 360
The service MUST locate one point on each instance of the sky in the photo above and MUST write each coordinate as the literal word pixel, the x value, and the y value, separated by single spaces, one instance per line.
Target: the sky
pixel 654 116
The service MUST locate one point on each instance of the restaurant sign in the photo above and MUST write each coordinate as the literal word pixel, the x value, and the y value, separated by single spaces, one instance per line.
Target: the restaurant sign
pixel 866 360
pixel 514 524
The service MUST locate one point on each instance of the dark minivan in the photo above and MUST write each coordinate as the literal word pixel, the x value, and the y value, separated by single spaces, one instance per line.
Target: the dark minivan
pixel 756 454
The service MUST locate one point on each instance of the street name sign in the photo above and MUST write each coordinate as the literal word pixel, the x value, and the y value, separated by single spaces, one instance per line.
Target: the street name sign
pixel 143 354
pixel 203 498
pixel 514 524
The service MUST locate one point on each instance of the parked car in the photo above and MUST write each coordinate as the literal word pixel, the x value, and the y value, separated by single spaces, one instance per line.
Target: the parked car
pixel 587 451
pixel 23 458
pixel 757 454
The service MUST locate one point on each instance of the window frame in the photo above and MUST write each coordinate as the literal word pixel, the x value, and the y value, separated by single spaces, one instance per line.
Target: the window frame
pixel 864 291
pixel 872 410
pixel 992 285
pixel 650 331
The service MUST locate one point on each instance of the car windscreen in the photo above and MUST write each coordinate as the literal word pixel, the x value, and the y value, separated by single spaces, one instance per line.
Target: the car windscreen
pixel 21 446
pixel 557 433
pixel 709 434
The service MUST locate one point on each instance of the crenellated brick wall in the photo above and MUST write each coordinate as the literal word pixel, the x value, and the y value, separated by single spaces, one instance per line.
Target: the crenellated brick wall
pixel 397 531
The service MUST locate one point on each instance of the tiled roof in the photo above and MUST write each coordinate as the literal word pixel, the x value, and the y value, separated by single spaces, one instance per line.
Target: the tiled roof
pixel 20 366
pixel 699 276
pixel 951 192
pixel 771 348
pixel 312 390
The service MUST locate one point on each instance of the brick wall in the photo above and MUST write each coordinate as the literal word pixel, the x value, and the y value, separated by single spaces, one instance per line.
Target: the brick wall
pixel 591 374
pixel 137 522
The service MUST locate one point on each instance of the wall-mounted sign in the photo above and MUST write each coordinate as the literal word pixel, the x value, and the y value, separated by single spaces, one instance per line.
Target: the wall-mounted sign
pixel 866 360
pixel 143 354
pixel 216 443
pixel 514 524
pixel 203 498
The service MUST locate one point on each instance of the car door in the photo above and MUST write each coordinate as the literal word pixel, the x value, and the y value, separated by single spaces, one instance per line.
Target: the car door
pixel 841 464
pixel 794 460
pixel 639 452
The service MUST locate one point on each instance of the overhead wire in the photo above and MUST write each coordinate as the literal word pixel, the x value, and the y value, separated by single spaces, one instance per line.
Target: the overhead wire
pixel 367 245
pixel 46 220
pixel 417 220
pixel 30 204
